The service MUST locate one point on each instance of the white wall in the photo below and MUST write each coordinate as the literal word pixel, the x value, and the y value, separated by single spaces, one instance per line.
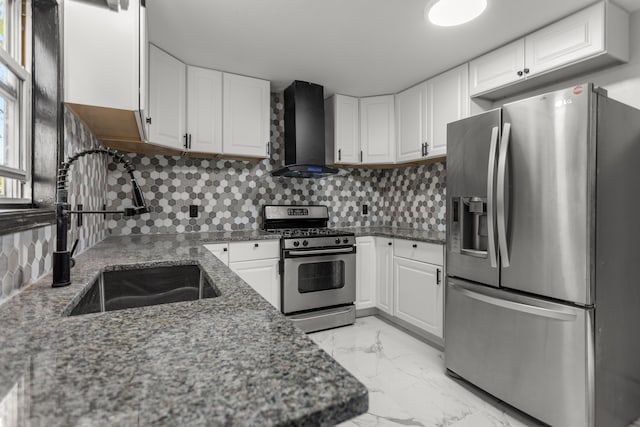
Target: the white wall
pixel 622 81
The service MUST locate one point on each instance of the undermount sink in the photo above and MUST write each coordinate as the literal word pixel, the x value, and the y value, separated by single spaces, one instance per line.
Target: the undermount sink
pixel 123 287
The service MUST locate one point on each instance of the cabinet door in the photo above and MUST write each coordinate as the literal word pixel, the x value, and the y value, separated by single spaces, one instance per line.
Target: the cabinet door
pixel 143 52
pixel 365 273
pixel 569 40
pixel 263 276
pixel 384 274
pixel 220 250
pixel 377 133
pixel 246 113
pixel 418 294
pixel 497 68
pixel 101 55
pixel 204 110
pixel 411 119
pixel 448 101
pixel 167 97
pixel 347 130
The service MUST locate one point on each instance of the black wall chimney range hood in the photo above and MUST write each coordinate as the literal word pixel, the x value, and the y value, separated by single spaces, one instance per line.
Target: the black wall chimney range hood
pixel 304 145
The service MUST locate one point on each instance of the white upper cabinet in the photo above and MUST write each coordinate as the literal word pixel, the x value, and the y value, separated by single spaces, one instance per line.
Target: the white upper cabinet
pixel 411 123
pixel 576 37
pixel 447 101
pixel 102 54
pixel 167 100
pixel 423 112
pixel 105 68
pixel 343 118
pixel 590 39
pixel 500 67
pixel 204 110
pixel 377 130
pixel 245 105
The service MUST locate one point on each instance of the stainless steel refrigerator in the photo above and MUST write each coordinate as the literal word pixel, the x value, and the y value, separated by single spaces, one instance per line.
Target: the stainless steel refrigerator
pixel 543 256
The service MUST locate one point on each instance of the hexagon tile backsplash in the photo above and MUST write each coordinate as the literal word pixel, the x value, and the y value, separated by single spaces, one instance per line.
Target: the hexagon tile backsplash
pixel 230 194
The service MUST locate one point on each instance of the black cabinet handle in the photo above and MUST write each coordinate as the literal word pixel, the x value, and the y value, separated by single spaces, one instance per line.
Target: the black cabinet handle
pixel 414 245
pixel 360 156
pixel 520 73
pixel 255 245
pixel 438 279
pixel 340 154
pixel 189 141
pixel 224 249
pixel 186 140
pixel 390 243
pixel 526 71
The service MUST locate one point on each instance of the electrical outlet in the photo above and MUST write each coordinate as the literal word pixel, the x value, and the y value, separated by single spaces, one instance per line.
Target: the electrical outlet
pixel 193 211
pixel 365 209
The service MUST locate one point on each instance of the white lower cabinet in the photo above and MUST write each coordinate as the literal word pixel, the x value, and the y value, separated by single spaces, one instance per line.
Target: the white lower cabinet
pixel 256 262
pixel 365 273
pixel 418 294
pixel 263 276
pixel 220 250
pixel 384 274
pixel 402 278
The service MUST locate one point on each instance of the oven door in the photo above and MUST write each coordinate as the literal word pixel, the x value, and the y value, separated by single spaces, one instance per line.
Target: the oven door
pixel 318 278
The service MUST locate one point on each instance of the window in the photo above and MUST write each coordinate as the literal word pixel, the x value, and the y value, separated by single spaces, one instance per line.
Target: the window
pixel 15 102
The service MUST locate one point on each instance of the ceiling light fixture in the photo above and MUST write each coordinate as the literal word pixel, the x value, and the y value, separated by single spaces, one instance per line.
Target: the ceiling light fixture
pixel 447 13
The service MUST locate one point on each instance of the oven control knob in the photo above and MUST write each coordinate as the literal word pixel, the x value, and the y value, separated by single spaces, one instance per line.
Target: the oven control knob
pixel 296 243
pixel 345 241
pixel 337 241
pixel 305 242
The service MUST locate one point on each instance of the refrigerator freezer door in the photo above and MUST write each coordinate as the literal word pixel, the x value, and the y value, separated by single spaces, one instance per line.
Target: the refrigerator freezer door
pixel 532 354
pixel 548 208
pixel 472 145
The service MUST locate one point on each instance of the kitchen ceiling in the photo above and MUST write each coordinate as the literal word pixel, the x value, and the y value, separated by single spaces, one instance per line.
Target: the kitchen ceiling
pixel 353 47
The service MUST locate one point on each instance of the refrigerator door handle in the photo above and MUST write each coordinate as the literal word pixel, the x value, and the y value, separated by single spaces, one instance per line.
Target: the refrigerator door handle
pixel 493 255
pixel 517 306
pixel 500 197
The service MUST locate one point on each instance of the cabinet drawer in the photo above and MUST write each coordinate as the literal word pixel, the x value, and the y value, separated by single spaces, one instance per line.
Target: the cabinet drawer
pixel 419 251
pixel 220 250
pixel 253 250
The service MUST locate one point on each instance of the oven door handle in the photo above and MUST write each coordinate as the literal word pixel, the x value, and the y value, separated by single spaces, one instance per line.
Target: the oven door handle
pixel 320 252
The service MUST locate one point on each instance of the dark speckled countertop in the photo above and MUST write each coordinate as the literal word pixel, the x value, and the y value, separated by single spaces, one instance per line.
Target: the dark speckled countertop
pixel 230 360
pixel 400 233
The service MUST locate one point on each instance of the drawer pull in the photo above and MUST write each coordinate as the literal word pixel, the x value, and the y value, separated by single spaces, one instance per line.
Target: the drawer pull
pixel 224 249
pixel 414 245
pixel 255 245
pixel 390 243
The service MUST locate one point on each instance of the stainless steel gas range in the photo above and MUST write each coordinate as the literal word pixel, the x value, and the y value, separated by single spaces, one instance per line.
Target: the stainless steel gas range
pixel 317 267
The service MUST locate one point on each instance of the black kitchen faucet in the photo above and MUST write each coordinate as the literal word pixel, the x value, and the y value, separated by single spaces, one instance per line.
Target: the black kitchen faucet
pixel 62 258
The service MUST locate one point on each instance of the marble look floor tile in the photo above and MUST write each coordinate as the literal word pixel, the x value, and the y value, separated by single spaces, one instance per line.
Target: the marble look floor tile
pixel 407 381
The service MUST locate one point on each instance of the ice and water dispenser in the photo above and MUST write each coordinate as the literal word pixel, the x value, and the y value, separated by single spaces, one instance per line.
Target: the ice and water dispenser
pixel 469 226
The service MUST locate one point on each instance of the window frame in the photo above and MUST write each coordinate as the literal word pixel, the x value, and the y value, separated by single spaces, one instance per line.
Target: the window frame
pixel 12 57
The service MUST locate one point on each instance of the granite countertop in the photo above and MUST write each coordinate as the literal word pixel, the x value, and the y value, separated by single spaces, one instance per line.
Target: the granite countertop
pixel 230 360
pixel 400 233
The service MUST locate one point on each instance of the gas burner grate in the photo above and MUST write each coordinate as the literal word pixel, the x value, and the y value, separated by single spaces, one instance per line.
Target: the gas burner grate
pixel 309 232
